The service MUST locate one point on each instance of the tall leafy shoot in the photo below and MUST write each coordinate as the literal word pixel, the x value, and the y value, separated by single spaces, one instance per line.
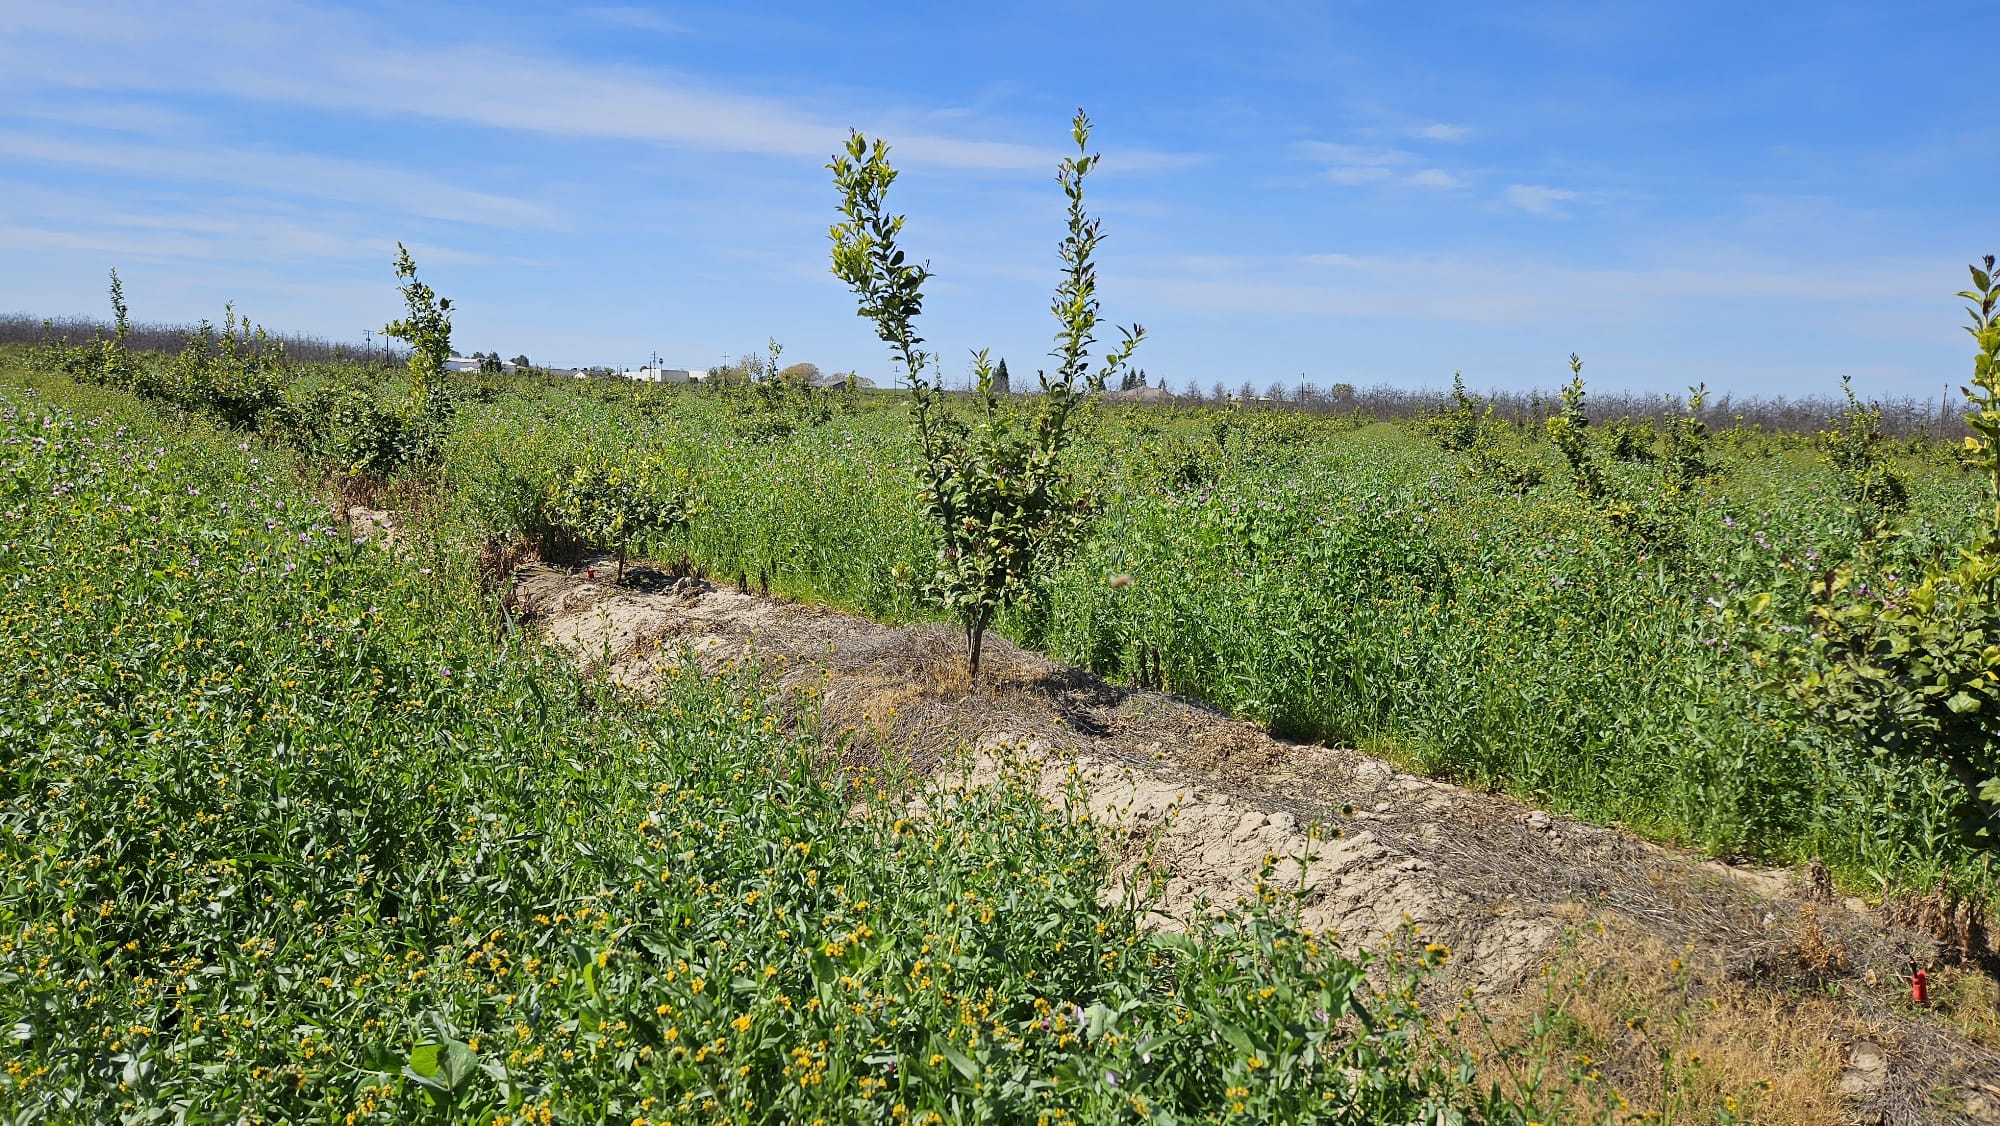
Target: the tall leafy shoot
pixel 996 488
pixel 426 327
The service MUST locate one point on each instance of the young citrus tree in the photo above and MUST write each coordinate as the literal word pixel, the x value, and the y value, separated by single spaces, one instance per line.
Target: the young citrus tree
pixel 1570 431
pixel 1853 447
pixel 606 502
pixel 105 360
pixel 426 327
pixel 1912 667
pixel 996 488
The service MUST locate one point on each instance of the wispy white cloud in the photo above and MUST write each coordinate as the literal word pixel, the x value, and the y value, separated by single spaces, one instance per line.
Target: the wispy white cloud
pixel 629 18
pixel 333 62
pixel 1358 174
pixel 1439 131
pixel 109 115
pixel 1341 155
pixel 1352 165
pixel 1498 288
pixel 1433 178
pixel 1536 199
pixel 292 174
pixel 201 226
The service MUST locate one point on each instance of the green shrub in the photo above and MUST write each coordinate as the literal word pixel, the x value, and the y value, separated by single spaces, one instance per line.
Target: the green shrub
pixel 1687 455
pixel 1626 440
pixel 1869 483
pixel 1569 429
pixel 426 327
pixel 351 429
pixel 108 362
pixel 1911 664
pixel 606 502
pixel 236 377
pixel 1458 426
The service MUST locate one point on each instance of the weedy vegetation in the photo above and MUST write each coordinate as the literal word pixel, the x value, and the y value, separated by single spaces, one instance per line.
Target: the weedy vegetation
pixel 285 836
pixel 1525 609
pixel 296 826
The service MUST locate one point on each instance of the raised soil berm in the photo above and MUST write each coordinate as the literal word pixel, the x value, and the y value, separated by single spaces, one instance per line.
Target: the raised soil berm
pixel 1199 806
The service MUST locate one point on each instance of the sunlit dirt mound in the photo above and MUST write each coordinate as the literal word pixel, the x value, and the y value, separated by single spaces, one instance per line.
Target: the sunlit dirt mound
pixel 1201 807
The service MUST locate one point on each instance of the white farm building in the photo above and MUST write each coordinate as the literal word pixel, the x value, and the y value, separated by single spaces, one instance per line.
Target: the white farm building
pixel 665 375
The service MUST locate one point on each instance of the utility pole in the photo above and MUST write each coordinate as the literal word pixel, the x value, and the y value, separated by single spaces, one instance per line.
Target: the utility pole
pixel 368 350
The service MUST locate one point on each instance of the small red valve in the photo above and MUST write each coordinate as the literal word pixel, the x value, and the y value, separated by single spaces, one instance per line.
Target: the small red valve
pixel 1920 983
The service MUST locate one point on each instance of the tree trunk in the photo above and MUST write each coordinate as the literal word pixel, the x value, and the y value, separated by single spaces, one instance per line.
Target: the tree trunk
pixel 1971 779
pixel 975 638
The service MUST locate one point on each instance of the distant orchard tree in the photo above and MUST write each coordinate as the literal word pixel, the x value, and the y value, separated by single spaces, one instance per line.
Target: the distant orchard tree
pixel 1221 393
pixel 520 362
pixel 800 373
pixel 742 371
pixel 1276 392
pixel 1194 391
pixel 1247 392
pixel 488 361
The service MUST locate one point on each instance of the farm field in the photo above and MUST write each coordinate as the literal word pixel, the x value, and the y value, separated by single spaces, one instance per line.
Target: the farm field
pixel 302 825
pixel 791 617
pixel 1341 581
pixel 296 830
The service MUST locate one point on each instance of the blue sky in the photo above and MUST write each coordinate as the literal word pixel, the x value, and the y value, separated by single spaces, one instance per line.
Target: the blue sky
pixel 1762 196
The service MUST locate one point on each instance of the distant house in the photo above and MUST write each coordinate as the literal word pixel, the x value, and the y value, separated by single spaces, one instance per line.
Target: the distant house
pixel 471 363
pixel 836 380
pixel 659 375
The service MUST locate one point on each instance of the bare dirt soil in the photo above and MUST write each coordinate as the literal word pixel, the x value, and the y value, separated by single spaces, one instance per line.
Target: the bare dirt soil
pixel 1786 997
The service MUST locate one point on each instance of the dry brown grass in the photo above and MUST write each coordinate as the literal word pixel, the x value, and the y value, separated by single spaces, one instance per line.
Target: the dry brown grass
pixel 916 706
pixel 1967 1001
pixel 1635 1030
pixel 1956 923
pixel 500 557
